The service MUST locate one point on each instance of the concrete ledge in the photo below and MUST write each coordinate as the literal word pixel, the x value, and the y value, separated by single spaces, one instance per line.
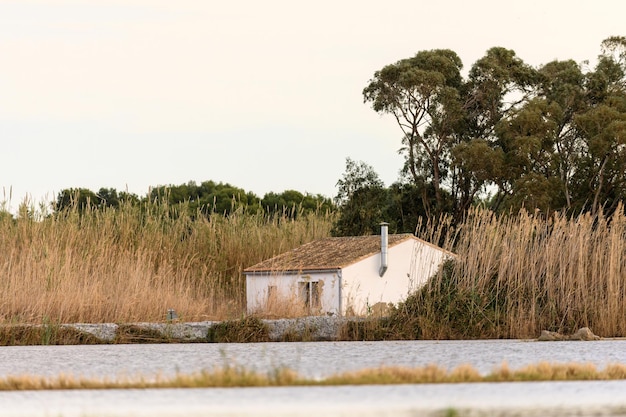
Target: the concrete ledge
pixel 310 328
pixel 189 332
pixel 315 328
pixel 105 331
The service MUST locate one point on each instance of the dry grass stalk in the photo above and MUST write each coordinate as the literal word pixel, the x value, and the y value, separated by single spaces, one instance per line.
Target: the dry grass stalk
pixel 533 273
pixel 132 264
pixel 239 377
pixel 545 371
pixel 278 307
pixel 521 274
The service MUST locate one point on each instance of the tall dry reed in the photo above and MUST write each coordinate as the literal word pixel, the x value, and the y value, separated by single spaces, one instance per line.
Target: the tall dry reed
pixel 519 274
pixel 133 263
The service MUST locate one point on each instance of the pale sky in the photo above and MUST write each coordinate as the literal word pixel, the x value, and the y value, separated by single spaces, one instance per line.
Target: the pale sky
pixel 265 95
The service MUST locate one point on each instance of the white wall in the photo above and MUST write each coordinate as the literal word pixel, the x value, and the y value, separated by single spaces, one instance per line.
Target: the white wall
pixel 410 264
pixel 287 289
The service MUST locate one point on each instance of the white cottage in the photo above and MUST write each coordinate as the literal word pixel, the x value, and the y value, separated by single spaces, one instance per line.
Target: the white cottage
pixel 344 275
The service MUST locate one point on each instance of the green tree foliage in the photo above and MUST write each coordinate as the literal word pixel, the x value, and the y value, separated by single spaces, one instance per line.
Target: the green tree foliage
pixel 83 199
pixel 78 198
pixel 358 175
pixel 404 205
pixel 362 213
pixel 207 197
pixel 497 85
pixel 564 148
pixel 546 138
pixel 423 95
pixel 293 202
pixel 109 197
pixel 364 202
pixel 361 199
pixel 204 199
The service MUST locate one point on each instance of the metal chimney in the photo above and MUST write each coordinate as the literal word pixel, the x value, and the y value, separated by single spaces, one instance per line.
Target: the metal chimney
pixel 384 246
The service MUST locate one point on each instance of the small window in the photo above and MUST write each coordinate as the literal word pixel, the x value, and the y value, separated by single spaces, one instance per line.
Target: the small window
pixel 310 295
pixel 315 295
pixel 272 295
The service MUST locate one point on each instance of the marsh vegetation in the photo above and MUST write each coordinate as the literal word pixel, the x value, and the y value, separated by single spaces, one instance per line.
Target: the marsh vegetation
pixel 513 275
pixel 133 263
pixel 517 275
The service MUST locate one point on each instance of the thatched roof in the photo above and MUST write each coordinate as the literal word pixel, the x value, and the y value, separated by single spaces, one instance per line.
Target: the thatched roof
pixel 327 254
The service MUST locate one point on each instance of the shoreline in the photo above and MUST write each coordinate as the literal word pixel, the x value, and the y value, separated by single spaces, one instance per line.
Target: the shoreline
pixel 245 330
pixel 313 329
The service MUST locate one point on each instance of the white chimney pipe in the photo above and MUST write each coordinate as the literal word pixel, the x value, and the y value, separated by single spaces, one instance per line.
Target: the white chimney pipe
pixel 384 246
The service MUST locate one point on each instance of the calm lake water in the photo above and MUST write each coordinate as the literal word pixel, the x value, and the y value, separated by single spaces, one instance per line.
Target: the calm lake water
pixel 314 360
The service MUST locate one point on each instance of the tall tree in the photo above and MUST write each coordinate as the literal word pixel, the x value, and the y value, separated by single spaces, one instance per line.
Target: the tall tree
pixel 361 198
pixel 603 128
pixel 449 124
pixel 422 94
pixel 601 178
pixel 498 85
pixel 357 175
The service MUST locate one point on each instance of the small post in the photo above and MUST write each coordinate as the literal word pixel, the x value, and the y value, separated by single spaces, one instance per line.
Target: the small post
pixel 171 314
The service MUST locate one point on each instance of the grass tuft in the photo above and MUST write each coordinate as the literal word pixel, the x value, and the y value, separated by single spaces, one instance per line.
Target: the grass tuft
pixel 248 329
pixel 234 376
pixel 46 334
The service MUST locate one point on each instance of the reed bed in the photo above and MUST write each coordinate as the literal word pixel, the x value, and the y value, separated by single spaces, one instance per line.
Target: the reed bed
pixel 512 275
pixel 516 275
pixel 134 263
pixel 233 376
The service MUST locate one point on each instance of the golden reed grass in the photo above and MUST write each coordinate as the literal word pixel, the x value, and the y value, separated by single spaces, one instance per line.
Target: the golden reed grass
pixel 534 273
pixel 238 377
pixel 134 263
pixel 278 307
pixel 520 274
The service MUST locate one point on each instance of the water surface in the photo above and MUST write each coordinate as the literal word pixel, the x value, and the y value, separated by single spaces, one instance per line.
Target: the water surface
pixel 582 399
pixel 314 360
